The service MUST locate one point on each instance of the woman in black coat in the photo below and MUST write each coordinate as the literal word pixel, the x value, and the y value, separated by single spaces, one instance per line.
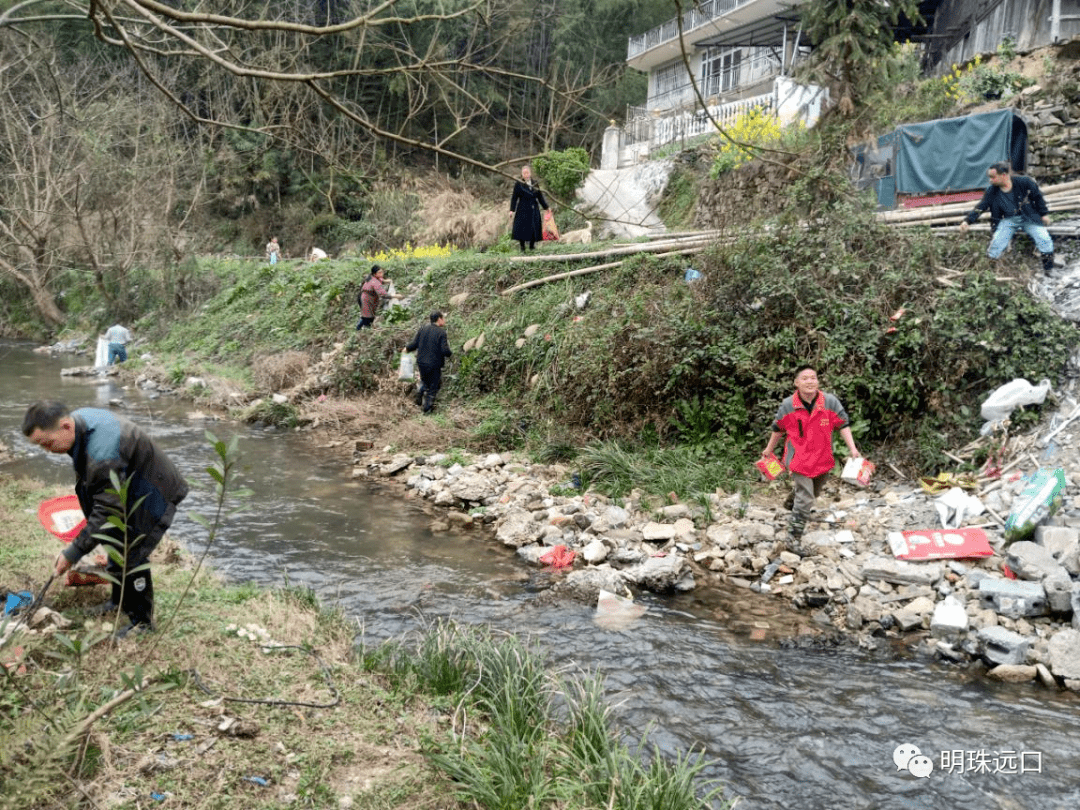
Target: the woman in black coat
pixel 525 205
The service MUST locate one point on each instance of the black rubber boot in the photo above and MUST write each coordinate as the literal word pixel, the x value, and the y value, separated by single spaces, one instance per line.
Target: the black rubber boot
pixel 1048 262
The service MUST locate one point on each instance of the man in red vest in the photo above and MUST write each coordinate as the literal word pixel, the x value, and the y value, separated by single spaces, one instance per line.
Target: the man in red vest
pixel 806 420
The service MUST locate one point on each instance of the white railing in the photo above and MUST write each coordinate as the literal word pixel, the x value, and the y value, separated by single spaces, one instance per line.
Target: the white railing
pixel 646 132
pixel 694 18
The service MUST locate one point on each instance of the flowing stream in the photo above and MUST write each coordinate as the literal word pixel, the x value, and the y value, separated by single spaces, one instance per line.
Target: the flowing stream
pixel 786 725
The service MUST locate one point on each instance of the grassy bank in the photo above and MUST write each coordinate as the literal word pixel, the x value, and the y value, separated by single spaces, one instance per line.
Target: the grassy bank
pixel 255 698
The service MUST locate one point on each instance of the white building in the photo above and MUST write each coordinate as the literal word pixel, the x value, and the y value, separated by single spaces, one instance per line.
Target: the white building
pixel 723 56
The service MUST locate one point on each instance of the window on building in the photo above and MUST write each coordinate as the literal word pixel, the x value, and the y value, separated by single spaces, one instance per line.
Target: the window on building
pixel 720 70
pixel 669 79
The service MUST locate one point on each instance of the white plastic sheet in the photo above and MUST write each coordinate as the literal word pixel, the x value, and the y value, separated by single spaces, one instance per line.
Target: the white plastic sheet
pixel 101 355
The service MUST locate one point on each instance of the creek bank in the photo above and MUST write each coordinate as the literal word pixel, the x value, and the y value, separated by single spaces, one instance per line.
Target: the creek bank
pixel 962 611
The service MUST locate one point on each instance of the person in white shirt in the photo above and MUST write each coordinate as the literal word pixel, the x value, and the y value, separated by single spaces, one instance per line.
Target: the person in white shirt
pixel 118 338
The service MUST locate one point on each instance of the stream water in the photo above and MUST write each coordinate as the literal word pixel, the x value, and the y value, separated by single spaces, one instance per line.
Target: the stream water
pixel 785 725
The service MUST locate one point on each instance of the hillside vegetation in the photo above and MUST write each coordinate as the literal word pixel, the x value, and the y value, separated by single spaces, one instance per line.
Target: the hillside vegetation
pixel 690 372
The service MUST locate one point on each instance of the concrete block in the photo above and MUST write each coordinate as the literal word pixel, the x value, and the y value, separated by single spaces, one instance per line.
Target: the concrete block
pixel 1013 597
pixel 1059 589
pixel 1001 646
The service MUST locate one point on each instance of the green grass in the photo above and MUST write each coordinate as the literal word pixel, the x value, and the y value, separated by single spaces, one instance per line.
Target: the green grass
pixel 527 738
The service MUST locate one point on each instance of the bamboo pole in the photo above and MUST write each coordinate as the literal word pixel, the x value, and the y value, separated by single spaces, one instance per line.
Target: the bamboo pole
pixel 624 250
pixel 585 271
pixel 1057 202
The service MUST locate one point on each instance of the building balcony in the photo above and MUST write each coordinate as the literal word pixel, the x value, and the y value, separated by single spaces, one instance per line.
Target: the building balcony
pixel 757 22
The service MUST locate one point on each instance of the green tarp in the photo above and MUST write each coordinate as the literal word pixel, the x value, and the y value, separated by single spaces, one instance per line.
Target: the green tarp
pixel 952 154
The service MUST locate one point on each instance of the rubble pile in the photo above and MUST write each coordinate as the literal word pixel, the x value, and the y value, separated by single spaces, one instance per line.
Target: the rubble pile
pixel 1017 610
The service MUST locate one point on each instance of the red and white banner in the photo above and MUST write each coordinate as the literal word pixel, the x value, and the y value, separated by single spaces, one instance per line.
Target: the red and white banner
pixel 938 544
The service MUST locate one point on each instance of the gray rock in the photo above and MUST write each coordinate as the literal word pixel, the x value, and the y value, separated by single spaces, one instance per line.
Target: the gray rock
pixel 616 517
pixel 1063 654
pixel 900 571
pixel 1001 646
pixel 657 532
pixel 532 553
pixel 470 487
pixel 585 584
pixel 949 619
pixel 1013 673
pixel 1045 678
pixel 626 556
pixel 675 510
pixel 1031 561
pixel 396 465
pixel 517 528
pixel 595 552
pixel 662 574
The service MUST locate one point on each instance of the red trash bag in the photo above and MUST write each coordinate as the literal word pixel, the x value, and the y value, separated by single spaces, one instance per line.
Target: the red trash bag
pixel 559 557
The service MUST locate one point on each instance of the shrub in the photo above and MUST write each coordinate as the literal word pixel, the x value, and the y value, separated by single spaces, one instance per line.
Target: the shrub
pixel 564 171
pixel 754 128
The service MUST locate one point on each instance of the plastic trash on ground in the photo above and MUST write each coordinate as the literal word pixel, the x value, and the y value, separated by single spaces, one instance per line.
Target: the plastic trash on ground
pixel 62 517
pixel 1012 395
pixel 1040 499
pixel 930 544
pixel 955 506
pixel 101 353
pixel 559 557
pixel 614 612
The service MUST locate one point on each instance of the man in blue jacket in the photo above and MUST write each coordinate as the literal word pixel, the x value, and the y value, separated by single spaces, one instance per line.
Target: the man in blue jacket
pixel 432 348
pixel 1015 203
pixel 101 443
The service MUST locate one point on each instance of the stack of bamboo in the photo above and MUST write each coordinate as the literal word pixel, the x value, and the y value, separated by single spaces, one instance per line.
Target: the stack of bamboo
pixel 1060 197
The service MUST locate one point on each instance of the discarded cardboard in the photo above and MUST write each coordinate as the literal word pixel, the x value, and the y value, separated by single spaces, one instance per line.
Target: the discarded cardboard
pixel 932 544
pixel 858 471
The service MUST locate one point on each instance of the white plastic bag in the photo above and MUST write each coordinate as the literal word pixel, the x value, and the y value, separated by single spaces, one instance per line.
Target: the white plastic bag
pixel 406 370
pixel 955 505
pixel 1012 395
